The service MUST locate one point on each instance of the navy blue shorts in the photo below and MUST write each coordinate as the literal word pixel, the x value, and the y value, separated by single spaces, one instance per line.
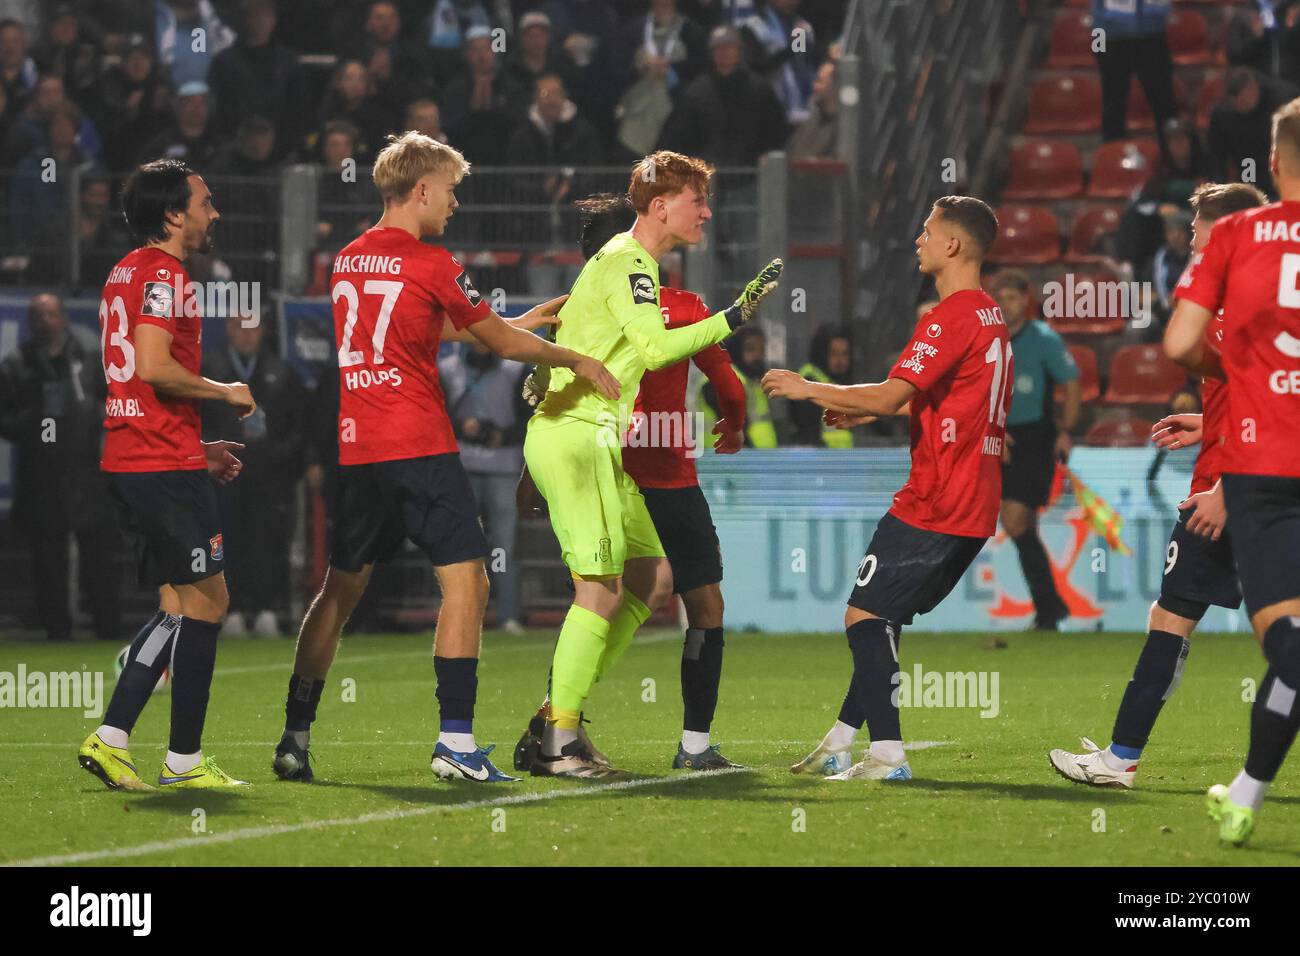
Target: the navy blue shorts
pixel 685 526
pixel 908 571
pixel 429 500
pixel 172 523
pixel 1198 569
pixel 1264 522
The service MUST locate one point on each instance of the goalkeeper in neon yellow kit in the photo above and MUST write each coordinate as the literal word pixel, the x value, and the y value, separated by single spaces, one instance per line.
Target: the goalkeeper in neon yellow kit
pixel 573 449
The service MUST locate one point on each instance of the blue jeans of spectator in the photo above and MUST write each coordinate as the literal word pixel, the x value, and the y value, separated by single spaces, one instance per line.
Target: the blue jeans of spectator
pixel 496 502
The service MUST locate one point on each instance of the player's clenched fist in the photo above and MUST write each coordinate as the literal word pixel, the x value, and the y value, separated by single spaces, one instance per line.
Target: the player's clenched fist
pixel 746 306
pixel 223 466
pixel 782 383
pixel 596 373
pixel 237 394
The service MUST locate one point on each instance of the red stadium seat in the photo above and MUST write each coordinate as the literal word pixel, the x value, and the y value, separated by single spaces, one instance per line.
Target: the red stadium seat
pixel 1119 433
pixel 1027 235
pixel 1142 375
pixel 1044 169
pixel 1089 381
pixel 1189 38
pixel 1207 96
pixel 1090 237
pixel 1064 104
pixel 1121 167
pixel 1071 42
pixel 1079 304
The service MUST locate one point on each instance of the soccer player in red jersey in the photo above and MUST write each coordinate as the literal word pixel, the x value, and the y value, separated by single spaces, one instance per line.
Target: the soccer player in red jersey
pixel 956 379
pixel 666 476
pixel 1249 270
pixel 1199 569
pixel 395 299
pixel 161 474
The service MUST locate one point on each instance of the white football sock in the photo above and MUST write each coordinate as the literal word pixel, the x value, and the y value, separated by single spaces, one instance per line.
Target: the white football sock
pixel 113 736
pixel 840 737
pixel 461 743
pixel 695 741
pixel 183 763
pixel 1246 791
pixel 888 751
pixel 1116 763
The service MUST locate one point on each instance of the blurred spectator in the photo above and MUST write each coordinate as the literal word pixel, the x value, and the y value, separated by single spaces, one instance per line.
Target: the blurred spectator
pixel 1272 48
pixel 258 76
pixel 352 98
pixel 484 105
pixel 424 116
pixel 398 68
pixel 51 407
pixel 1135 44
pixel 1170 260
pixel 446 29
pixel 178 24
pixel 1241 128
pixel 258 510
pixel 489 415
pixel 101 236
pixel 830 361
pixel 748 348
pixel 31 130
pixel 347 202
pixel 130 104
pixel 69 50
pixel 588 33
pixel 816 137
pixel 780 45
pixel 554 134
pixel 248 203
pixel 728 115
pixel 1183 166
pixel 534 54
pixel 38 191
pixel 190 137
pixel 17 69
pixel 670 44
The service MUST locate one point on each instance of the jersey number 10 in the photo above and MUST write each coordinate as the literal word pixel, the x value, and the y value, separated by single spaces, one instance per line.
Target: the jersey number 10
pixel 999 354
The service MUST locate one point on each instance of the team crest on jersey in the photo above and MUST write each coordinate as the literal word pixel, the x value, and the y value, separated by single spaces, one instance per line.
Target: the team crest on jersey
pixel 467 287
pixel 158 297
pixel 216 548
pixel 643 288
pixel 935 330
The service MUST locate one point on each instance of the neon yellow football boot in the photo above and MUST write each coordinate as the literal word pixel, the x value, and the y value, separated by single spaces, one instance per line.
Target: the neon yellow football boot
pixel 1236 823
pixel 112 765
pixel 206 776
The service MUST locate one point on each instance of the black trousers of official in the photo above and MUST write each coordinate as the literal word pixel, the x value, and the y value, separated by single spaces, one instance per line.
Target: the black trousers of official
pixel 257 523
pixel 1147 58
pixel 98 549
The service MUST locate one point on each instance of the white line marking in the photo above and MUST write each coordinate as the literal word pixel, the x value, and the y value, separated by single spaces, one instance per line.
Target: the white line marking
pixel 255 833
pixel 326 744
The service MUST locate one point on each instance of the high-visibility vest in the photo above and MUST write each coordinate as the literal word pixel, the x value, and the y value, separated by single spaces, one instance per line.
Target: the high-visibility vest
pixel 831 437
pixel 760 432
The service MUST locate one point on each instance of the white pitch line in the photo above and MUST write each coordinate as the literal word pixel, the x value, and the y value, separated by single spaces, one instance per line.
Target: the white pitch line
pixel 232 744
pixel 256 833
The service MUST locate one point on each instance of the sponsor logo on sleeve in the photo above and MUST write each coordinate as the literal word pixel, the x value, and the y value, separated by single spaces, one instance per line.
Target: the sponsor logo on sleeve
pixel 643 288
pixel 467 287
pixel 158 298
pixel 920 352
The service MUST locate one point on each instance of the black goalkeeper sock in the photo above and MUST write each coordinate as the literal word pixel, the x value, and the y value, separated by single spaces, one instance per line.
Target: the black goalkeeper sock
pixel 1274 720
pixel 192 664
pixel 149 655
pixel 300 704
pixel 1048 606
pixel 701 674
pixel 870 699
pixel 1155 678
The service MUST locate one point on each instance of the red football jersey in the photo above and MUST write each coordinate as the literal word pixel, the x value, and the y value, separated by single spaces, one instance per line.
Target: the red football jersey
pixel 664 391
pixel 1250 269
pixel 960 361
pixel 391 293
pixel 145 431
pixel 1214 409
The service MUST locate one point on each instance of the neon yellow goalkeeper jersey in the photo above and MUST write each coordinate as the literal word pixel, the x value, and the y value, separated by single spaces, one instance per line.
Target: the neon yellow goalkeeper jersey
pixel 613 315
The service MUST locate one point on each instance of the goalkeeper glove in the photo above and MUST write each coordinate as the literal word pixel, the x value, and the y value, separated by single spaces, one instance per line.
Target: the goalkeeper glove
pixel 535 385
pixel 745 307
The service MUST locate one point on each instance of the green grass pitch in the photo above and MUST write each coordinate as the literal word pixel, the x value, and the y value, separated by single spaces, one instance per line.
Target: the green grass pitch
pixel 983 794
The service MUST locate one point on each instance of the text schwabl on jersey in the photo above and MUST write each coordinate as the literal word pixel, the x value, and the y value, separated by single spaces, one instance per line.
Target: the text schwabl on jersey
pixel 368 378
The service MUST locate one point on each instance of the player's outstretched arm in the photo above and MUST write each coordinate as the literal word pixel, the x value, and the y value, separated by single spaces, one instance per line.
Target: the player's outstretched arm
pixel 513 343
pixel 166 376
pixel 1185 339
pixel 540 315
pixel 881 398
